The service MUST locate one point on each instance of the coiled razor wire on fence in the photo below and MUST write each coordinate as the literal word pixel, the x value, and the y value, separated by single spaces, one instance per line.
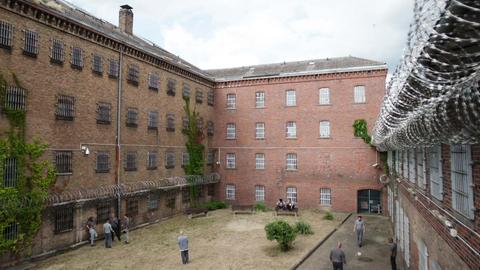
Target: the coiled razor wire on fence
pixel 434 94
pixel 128 189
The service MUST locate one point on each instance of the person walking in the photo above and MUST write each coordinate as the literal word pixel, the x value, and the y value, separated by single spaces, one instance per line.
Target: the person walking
pixel 337 257
pixel 115 226
pixel 183 245
pixel 107 232
pixel 393 253
pixel 126 227
pixel 359 230
pixel 91 230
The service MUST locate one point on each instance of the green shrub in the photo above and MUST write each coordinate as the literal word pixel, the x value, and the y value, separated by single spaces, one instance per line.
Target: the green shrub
pixel 260 206
pixel 214 205
pixel 328 216
pixel 302 227
pixel 282 232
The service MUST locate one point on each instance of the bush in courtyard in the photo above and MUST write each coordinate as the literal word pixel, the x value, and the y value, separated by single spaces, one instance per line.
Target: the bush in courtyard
pixel 282 232
pixel 260 206
pixel 328 216
pixel 302 227
pixel 214 205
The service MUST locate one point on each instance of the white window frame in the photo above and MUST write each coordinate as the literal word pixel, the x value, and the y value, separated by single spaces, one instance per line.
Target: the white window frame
pixel 230 192
pixel 435 171
pixel 324 96
pixel 359 94
pixel 325 129
pixel 260 130
pixel 291 162
pixel 292 194
pixel 231 101
pixel 290 98
pixel 259 193
pixel 291 130
pixel 231 131
pixel 260 99
pixel 260 161
pixel 462 180
pixel 326 196
pixel 230 161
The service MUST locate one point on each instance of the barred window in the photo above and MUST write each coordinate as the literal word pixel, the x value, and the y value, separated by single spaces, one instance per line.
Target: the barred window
pixel 292 194
pixel 259 131
pixel 104 113
pixel 63 162
pixel 30 43
pixel 103 162
pixel 324 129
pixel 260 161
pixel 169 160
pixel 6 35
pixel 291 98
pixel 97 64
pixel 231 131
pixel 131 161
pixel 210 128
pixel 211 190
pixel 185 123
pixel 153 200
pixel 153 81
pixel 435 171
pixel 210 97
pixel 152 120
pixel 171 87
pixel 324 96
pixel 77 58
pixel 133 74
pixel 132 207
pixel 412 165
pixel 186 195
pixel 230 192
pixel 199 96
pixel 260 99
pixel 103 211
pixel 291 129
pixel 231 161
pixel 113 68
pixel 186 91
pixel 57 52
pixel 231 101
pixel 65 108
pixel 359 94
pixel 325 196
pixel 462 184
pixel 421 168
pixel 200 123
pixel 10 232
pixel 291 162
pixel 63 219
pixel 15 98
pixel 170 122
pixel 132 117
pixel 10 172
pixel 152 160
pixel 185 159
pixel 210 157
pixel 259 193
pixel 171 199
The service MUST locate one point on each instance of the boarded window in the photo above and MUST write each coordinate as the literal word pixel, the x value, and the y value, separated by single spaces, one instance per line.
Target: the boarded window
pixel 132 117
pixel 113 68
pixel 103 162
pixel 169 159
pixel 10 172
pixel 199 96
pixel 170 122
pixel 57 52
pixel 186 91
pixel 6 35
pixel 153 81
pixel 133 74
pixel 15 98
pixel 103 211
pixel 65 108
pixel 104 113
pixel 210 128
pixel 97 64
pixel 153 120
pixel 64 162
pixel 131 161
pixel 210 97
pixel 63 219
pixel 77 58
pixel 152 160
pixel 30 43
pixel 171 85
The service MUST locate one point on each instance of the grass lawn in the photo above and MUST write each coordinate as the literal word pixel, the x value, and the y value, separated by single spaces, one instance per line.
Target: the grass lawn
pixel 218 241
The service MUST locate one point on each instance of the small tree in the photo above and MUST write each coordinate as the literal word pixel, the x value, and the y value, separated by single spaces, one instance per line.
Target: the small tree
pixel 282 232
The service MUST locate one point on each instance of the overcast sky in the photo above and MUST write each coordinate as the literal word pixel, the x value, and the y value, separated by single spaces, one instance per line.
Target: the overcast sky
pixel 229 33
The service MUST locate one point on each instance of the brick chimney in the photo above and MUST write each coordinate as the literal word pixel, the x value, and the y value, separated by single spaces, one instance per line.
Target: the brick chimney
pixel 125 19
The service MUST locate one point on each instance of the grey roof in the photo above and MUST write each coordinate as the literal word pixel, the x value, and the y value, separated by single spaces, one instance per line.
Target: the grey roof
pixel 82 17
pixel 316 66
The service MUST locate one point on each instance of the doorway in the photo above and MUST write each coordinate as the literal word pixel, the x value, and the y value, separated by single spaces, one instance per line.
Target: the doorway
pixel 369 201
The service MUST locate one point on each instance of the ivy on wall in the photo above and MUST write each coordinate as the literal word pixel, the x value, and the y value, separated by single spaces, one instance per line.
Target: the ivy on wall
pixel 360 129
pixel 21 206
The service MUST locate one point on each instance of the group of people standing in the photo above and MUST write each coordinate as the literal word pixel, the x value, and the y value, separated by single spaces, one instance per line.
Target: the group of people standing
pixel 281 205
pixel 111 228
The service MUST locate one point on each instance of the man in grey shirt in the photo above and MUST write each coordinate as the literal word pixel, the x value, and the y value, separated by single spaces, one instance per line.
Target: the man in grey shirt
pixel 337 257
pixel 359 230
pixel 183 245
pixel 126 228
pixel 107 232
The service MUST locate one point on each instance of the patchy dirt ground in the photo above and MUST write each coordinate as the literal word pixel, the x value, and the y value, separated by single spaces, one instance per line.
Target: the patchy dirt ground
pixel 218 241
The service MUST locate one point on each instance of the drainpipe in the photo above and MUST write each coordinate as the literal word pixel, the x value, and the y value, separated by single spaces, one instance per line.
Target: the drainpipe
pixel 117 137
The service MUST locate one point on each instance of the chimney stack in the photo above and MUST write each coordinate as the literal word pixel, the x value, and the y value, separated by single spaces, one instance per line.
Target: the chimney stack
pixel 125 19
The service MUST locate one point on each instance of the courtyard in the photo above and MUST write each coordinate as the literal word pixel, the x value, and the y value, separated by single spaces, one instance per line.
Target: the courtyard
pixel 218 241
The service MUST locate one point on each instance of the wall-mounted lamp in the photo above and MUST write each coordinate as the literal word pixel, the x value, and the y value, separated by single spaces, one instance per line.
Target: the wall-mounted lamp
pixel 85 150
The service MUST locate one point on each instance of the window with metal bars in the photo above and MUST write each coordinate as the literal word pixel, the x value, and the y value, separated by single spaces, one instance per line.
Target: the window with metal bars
pixel 186 195
pixel 153 200
pixel 412 166
pixel 211 190
pixel 200 123
pixel 30 43
pixel 291 98
pixel 153 81
pixel 131 161
pixel 64 219
pixel 77 58
pixel 152 160
pixel 292 194
pixel 10 172
pixel 103 211
pixel 420 168
pixel 64 162
pixel 231 161
pixel 103 162
pixel 104 113
pixel 171 87
pixel 359 94
pixel 133 74
pixel 260 99
pixel 185 159
pixel 325 196
pixel 435 171
pixel 185 123
pixel 231 101
pixel 210 157
pixel 291 130
pixel 65 108
pixel 15 98
pixel 97 64
pixel 210 97
pixel 186 91
pixel 113 68
pixel 210 128
pixel 169 159
pixel 259 131
pixel 199 96
pixel 324 129
pixel 259 193
pixel 153 120
pixel 171 199
pixel 462 184
pixel 259 161
pixel 231 131
pixel 230 192
pixel 6 35
pixel 132 117
pixel 170 122
pixel 57 52
pixel 10 232
pixel 291 162
pixel 132 207
pixel 324 96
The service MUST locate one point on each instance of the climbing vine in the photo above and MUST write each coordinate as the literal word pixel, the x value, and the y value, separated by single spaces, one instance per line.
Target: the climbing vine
pixel 360 130
pixel 195 149
pixel 21 203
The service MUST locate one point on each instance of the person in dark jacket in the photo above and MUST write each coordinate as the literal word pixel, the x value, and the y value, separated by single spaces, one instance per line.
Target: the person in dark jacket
pixel 393 253
pixel 337 257
pixel 115 226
